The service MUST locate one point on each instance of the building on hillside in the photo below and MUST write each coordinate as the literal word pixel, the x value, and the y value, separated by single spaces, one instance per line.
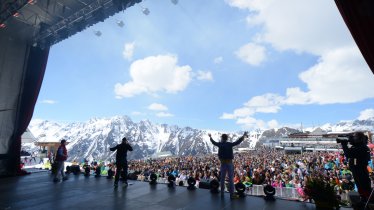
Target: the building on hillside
pixel 242 150
pixel 271 142
pixel 318 140
pixel 28 137
pixel 162 154
pixel 27 143
pixel 48 149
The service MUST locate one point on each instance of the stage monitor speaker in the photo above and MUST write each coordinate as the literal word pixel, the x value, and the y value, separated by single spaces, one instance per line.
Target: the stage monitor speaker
pixel 75 169
pixel 204 185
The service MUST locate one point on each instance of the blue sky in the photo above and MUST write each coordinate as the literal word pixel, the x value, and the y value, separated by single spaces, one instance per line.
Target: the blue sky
pixel 218 64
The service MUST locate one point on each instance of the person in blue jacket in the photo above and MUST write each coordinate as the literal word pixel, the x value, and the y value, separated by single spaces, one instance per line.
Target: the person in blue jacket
pixel 226 155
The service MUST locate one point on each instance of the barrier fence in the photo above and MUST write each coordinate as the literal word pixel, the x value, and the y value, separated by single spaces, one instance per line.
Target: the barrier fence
pixel 288 193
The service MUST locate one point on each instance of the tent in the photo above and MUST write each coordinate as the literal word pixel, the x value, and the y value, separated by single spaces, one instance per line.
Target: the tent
pixel 25 39
pixel 25 42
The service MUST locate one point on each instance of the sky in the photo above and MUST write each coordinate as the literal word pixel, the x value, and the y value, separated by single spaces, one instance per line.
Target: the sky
pixel 212 64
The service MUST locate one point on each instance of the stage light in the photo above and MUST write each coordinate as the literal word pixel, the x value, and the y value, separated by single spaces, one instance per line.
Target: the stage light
pixel 97 33
pixel 87 170
pixel 68 169
pixel 191 183
pixel 214 185
pixel 153 178
pixel 171 180
pixel 174 1
pixel 75 169
pixel 269 192
pixel 145 11
pixel 32 2
pixel 240 188
pixel 120 23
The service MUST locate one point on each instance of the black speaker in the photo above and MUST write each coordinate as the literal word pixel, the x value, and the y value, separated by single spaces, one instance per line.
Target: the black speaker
pixel 75 169
pixel 132 176
pixel 204 185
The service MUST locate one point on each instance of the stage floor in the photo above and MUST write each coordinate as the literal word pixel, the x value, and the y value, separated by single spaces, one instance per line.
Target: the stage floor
pixel 37 191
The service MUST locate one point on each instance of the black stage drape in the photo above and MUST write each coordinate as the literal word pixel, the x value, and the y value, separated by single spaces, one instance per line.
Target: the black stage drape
pixel 32 79
pixel 358 15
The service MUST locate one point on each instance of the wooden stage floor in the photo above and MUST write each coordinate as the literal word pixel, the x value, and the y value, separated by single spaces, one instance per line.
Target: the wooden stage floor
pixel 37 191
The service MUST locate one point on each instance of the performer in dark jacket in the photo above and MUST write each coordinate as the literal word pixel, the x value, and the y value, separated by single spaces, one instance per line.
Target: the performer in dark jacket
pixel 121 160
pixel 226 155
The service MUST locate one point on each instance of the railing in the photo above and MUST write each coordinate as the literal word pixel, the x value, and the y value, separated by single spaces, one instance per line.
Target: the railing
pixel 281 192
pixel 285 193
pixel 288 193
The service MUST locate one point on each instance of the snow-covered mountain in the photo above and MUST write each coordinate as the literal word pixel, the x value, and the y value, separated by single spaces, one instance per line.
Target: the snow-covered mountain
pixel 93 139
pixel 350 125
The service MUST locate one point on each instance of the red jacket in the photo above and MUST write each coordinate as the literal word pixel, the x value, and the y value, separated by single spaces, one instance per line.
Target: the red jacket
pixel 62 153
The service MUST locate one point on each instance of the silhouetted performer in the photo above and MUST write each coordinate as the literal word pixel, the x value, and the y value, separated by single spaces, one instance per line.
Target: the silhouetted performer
pixel 121 160
pixel 226 155
pixel 359 155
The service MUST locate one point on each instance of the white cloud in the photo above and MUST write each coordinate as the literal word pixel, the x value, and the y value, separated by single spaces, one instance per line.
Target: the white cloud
pixel 244 111
pixel 268 99
pixel 300 25
pixel 226 116
pixel 155 74
pixel 252 53
pixel 164 114
pixel 366 114
pixel 157 107
pixel 273 124
pixel 246 120
pixel 128 50
pixel 314 27
pixel 297 96
pixel 267 103
pixel 48 101
pixel 218 60
pixel 340 75
pixel 251 123
pixel 204 75
pixel 135 113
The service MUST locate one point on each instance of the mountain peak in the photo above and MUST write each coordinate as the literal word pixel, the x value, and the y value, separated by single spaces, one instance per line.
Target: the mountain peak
pixel 92 139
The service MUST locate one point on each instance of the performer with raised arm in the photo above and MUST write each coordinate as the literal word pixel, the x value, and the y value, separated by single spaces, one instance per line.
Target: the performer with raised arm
pixel 226 155
pixel 121 160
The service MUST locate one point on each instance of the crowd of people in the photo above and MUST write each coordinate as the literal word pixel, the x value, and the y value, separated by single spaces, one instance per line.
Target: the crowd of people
pixel 262 166
pixel 257 167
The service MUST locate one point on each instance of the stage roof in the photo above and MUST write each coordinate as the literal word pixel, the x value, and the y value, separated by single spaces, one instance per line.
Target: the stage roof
pixel 44 23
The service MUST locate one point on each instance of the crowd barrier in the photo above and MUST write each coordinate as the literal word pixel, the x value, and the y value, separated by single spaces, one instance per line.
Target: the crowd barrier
pixel 288 193
pixel 285 193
